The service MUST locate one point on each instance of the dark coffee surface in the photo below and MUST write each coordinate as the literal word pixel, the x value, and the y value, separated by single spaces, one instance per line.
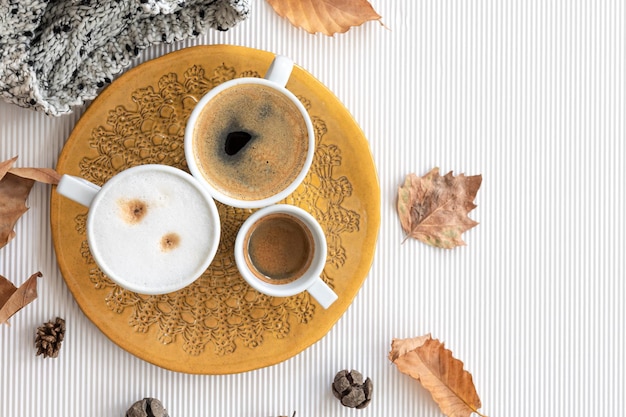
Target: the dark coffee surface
pixel 280 248
pixel 250 142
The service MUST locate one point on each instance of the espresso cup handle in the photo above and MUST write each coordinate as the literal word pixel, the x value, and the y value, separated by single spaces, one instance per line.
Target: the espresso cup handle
pixel 322 293
pixel 279 70
pixel 77 189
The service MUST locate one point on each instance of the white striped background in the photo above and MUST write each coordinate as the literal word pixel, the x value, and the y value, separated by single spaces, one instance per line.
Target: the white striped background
pixel 530 94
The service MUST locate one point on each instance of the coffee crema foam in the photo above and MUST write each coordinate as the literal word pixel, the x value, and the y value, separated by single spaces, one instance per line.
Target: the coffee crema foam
pixel 151 228
pixel 269 160
pixel 279 248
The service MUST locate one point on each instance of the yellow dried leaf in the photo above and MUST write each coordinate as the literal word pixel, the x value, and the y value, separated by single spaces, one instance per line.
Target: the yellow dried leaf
pixel 429 362
pixel 13 299
pixel 325 16
pixel 434 209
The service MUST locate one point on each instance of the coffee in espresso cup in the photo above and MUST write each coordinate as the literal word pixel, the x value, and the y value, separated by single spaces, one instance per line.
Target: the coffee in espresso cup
pixel 250 140
pixel 152 229
pixel 280 250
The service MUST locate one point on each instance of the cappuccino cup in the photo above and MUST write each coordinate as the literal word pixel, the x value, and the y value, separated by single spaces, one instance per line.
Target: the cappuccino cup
pixel 250 141
pixel 280 250
pixel 152 229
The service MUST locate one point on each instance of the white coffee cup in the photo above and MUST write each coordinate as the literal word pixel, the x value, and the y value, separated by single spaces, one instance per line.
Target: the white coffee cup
pixel 152 229
pixel 250 140
pixel 280 250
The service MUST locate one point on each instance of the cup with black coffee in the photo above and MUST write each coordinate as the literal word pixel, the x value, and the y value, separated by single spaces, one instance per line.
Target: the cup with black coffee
pixel 280 250
pixel 250 141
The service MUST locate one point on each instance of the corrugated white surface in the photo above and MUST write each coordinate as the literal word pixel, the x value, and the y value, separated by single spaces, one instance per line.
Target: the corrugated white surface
pixel 530 94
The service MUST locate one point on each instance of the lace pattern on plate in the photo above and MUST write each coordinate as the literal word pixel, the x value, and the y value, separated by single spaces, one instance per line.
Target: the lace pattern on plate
pixel 218 310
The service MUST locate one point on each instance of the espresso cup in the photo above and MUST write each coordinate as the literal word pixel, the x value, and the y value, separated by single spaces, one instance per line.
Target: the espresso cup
pixel 152 229
pixel 250 140
pixel 280 251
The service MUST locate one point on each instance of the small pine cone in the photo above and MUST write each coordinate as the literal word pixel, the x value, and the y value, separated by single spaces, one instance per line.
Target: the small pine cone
pixel 349 387
pixel 49 337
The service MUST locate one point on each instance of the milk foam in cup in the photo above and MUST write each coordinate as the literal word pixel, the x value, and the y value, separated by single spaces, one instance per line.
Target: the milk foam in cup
pixel 288 257
pixel 250 140
pixel 152 229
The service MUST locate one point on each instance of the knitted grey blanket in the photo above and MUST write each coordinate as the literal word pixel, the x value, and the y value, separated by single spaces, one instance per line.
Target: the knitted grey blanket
pixel 55 54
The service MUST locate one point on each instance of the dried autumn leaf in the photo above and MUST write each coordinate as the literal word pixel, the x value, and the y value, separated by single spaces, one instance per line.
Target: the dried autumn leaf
pixel 429 362
pixel 433 209
pixel 13 299
pixel 43 175
pixel 15 186
pixel 400 347
pixel 325 16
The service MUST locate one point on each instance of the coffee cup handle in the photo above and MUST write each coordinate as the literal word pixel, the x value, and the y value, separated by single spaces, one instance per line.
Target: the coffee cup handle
pixel 279 70
pixel 322 293
pixel 77 189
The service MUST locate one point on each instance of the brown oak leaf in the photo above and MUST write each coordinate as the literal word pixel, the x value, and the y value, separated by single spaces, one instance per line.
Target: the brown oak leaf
pixel 325 16
pixel 429 362
pixel 13 299
pixel 433 209
pixel 15 186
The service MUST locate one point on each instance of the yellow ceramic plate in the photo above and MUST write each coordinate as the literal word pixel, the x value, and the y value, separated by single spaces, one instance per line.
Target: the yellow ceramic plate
pixel 218 324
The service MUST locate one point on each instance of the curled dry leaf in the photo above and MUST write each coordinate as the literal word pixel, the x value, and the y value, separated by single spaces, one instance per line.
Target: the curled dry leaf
pixel 434 209
pixel 429 362
pixel 13 299
pixel 15 186
pixel 325 16
pixel 400 347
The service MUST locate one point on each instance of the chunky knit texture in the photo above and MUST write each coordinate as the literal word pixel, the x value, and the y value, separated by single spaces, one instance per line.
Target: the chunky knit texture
pixel 55 54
